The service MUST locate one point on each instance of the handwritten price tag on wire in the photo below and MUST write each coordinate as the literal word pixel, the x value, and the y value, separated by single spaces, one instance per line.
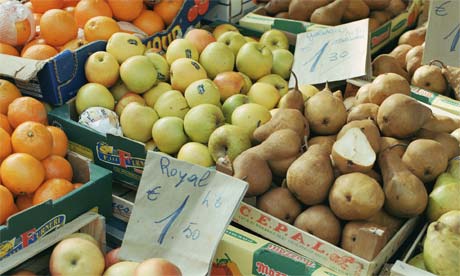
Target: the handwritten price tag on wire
pixel 443 33
pixel 180 213
pixel 332 54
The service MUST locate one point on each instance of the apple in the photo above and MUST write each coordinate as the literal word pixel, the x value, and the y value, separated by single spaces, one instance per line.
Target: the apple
pixel 216 58
pixel 111 257
pixel 93 94
pixel 124 268
pixel 181 48
pixel 228 141
pixel 250 39
pixel 247 83
pixel 277 81
pixel 160 64
pixel 201 121
pixel 195 153
pixel 264 94
pixel 76 256
pixel 249 116
pixel 282 63
pixel 101 67
pixel 231 103
pixel 84 236
pixel 118 90
pixel 138 73
pixel 184 71
pixel 201 92
pixel 126 99
pixel 233 40
pixel 255 60
pixel 150 145
pixel 124 45
pixel 200 38
pixel 137 121
pixel 229 83
pixel 307 91
pixel 168 134
pixel 223 28
pixel 153 93
pixel 274 39
pixel 171 104
pixel 157 267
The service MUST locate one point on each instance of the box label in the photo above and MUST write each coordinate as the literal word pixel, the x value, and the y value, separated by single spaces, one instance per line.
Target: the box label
pixel 117 157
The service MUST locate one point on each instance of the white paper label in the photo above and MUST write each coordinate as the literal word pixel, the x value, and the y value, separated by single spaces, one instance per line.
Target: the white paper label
pixel 332 54
pixel 180 213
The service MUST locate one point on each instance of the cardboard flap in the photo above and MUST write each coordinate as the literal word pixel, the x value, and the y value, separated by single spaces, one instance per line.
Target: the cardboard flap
pixel 20 68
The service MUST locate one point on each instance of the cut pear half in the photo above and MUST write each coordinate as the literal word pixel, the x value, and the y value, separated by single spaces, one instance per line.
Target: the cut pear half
pixel 353 152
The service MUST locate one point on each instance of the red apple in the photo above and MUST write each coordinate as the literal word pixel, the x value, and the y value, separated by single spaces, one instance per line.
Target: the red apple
pixel 229 83
pixel 200 38
pixel 121 269
pixel 111 257
pixel 157 267
pixel 126 99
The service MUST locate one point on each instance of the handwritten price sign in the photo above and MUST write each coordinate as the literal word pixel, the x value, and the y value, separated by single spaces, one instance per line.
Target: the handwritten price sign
pixel 180 213
pixel 332 54
pixel 443 33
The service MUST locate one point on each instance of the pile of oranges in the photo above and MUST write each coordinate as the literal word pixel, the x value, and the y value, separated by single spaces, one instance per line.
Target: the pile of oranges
pixel 58 23
pixel 33 168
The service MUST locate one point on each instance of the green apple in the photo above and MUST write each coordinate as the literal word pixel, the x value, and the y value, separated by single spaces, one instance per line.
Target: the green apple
pixel 223 28
pixel 195 153
pixel 161 65
pixel 277 81
pixel 201 92
pixel 119 90
pixel 264 94
pixel 124 45
pixel 102 67
pixel 307 91
pixel 249 116
pixel 232 103
pixel 229 83
pixel 274 39
pixel 250 39
pixel 184 71
pixel 137 121
pixel 233 40
pixel 153 93
pixel 171 104
pixel 443 199
pixel 228 141
pixel 201 121
pixel 126 99
pixel 181 48
pixel 282 63
pixel 255 60
pixel 216 58
pixel 445 179
pixel 247 83
pixel 168 134
pixel 92 95
pixel 138 73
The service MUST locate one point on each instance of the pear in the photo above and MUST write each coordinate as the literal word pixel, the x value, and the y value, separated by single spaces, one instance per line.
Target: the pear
pixel 349 103
pixel 293 98
pixel 280 167
pixel 326 141
pixel 284 118
pixel 377 4
pixel 302 9
pixel 381 16
pixel 443 199
pixel 375 175
pixel 393 144
pixel 321 222
pixel 276 6
pixel 396 7
pixel 445 178
pixel 454 168
pixel 456 135
pixel 280 203
pixel 441 123
pixel 362 95
pixel 330 14
pixel 387 84
pixel 413 37
pixel 384 219
pixel 311 175
pixel 362 112
pixel 368 127
pixel 356 10
pixel 417 261
pixel 452 75
pixel 399 53
pixel 250 167
pixel 284 15
pixel 386 63
pixel 280 144
pixel 449 143
pixel 430 77
pixel 414 59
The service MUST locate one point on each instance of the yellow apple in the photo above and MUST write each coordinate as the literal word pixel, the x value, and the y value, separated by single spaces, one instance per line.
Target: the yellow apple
pixel 92 95
pixel 126 99
pixel 195 153
pixel 102 67
pixel 138 73
pixel 124 268
pixel 184 71
pixel 181 48
pixel 264 94
pixel 137 121
pixel 118 90
pixel 222 28
pixel 153 93
pixel 124 45
pixel 199 38
pixel 249 116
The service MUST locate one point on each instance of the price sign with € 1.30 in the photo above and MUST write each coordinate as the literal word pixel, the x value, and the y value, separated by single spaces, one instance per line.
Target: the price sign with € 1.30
pixel 180 213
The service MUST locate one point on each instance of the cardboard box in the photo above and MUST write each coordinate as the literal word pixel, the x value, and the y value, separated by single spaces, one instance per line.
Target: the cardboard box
pixel 230 10
pixel 379 37
pixel 58 79
pixel 36 223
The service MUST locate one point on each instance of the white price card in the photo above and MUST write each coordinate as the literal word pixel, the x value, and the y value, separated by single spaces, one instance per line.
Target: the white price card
pixel 180 213
pixel 332 54
pixel 443 33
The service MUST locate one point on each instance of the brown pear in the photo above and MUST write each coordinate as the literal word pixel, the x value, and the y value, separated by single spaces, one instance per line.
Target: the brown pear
pixel 330 14
pixel 393 144
pixel 375 175
pixel 430 77
pixel 280 167
pixel 311 175
pixel 284 15
pixel 396 7
pixel 384 219
pixel 413 37
pixel 276 6
pixel 321 222
pixel 250 167
pixel 452 75
pixel 368 127
pixel 283 118
pixel 381 16
pixel 362 95
pixel 362 112
pixel 387 84
pixel 448 141
pixel 293 99
pixel 399 53
pixel 302 9
pixel 388 64
pixel 414 59
pixel 441 123
pixel 349 103
pixel 456 135
pixel 373 24
pixel 280 144
pixel 326 141
pixel 356 10
pixel 280 203
pixel 377 4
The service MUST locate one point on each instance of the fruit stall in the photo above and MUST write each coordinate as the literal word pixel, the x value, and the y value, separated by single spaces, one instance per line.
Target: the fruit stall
pixel 230 137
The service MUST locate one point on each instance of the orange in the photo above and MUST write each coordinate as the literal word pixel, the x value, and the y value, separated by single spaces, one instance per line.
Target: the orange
pixel 57 167
pixel 23 31
pixel 70 3
pixel 36 41
pixel 149 22
pixel 126 10
pixel 52 189
pixel 100 28
pixel 22 173
pixel 168 9
pixel 73 45
pixel 77 185
pixel 4 124
pixel 8 50
pixel 32 138
pixel 7 206
pixel 70 10
pixel 58 27
pixel 5 144
pixel 60 141
pixel 86 9
pixel 25 109
pixel 8 93
pixel 41 6
pixel 24 201
pixel 40 52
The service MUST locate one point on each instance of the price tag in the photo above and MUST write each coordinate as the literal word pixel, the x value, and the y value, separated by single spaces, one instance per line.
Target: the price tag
pixel 443 33
pixel 332 54
pixel 180 213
